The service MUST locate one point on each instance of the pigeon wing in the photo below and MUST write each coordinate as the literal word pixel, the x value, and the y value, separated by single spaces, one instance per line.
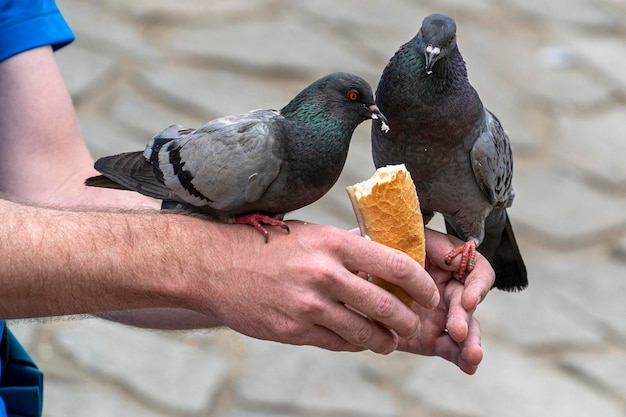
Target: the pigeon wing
pixel 225 164
pixel 492 162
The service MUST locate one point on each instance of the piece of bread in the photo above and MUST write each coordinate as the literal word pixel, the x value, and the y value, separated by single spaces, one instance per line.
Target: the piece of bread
pixel 388 212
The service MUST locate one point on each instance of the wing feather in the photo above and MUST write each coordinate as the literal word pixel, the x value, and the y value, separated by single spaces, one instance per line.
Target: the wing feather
pixel 492 162
pixel 225 164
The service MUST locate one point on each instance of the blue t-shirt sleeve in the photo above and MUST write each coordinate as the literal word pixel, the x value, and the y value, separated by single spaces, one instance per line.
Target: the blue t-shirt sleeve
pixel 28 24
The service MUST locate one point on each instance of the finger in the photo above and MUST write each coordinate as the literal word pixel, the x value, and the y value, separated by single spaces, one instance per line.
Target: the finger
pixel 358 330
pixel 467 355
pixel 458 318
pixel 471 350
pixel 395 267
pixel 377 304
pixel 448 349
pixel 326 339
pixel 478 283
pixel 438 245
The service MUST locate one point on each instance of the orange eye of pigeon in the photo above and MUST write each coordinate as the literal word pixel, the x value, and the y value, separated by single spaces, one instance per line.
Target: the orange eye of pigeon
pixel 422 31
pixel 353 95
pixel 451 38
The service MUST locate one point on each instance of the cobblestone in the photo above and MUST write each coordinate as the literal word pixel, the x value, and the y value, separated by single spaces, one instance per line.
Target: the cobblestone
pixel 563 209
pixel 85 70
pixel 546 322
pixel 576 12
pixel 91 400
pixel 295 382
pixel 118 353
pixel 607 369
pixel 228 93
pixel 507 387
pixel 609 48
pixel 589 141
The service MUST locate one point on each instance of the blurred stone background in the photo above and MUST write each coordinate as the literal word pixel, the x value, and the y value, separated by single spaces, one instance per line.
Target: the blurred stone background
pixel 554 73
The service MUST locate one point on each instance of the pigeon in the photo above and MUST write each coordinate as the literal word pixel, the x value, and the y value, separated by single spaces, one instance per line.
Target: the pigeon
pixel 254 167
pixel 456 150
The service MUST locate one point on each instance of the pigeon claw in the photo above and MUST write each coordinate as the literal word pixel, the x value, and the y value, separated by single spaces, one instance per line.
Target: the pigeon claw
pixel 258 220
pixel 468 258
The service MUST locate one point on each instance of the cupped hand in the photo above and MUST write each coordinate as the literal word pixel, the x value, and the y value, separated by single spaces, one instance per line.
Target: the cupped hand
pixel 450 330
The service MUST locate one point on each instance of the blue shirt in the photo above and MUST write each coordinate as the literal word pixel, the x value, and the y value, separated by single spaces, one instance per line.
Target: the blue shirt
pixel 24 25
pixel 28 24
pixel 21 383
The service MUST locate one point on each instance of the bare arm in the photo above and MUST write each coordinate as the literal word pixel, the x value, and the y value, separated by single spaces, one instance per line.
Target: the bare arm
pixel 68 262
pixel 43 157
pixel 71 262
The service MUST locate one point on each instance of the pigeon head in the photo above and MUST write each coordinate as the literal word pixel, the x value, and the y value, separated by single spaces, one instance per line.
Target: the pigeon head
pixel 337 99
pixel 438 38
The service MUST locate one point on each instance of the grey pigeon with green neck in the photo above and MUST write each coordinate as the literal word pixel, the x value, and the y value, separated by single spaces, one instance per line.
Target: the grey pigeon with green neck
pixel 253 167
pixel 456 150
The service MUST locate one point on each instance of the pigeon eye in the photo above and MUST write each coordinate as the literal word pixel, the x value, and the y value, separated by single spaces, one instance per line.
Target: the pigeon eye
pixel 422 31
pixel 353 95
pixel 451 38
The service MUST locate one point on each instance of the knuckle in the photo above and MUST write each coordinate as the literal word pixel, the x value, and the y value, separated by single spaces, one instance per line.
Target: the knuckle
pixel 398 264
pixel 292 330
pixel 384 306
pixel 337 344
pixel 327 237
pixel 310 306
pixel 322 275
pixel 363 334
pixel 285 328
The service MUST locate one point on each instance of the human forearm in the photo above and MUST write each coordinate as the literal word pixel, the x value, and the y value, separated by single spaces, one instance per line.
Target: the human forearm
pixel 40 136
pixel 63 262
pixel 43 157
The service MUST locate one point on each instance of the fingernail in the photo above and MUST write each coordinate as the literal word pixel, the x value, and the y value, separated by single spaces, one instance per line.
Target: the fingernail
pixel 434 302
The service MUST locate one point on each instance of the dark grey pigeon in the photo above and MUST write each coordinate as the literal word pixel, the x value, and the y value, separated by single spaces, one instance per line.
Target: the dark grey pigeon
pixel 254 167
pixel 456 150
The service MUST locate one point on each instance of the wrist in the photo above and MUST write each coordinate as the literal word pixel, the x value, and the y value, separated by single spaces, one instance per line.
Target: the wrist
pixel 204 260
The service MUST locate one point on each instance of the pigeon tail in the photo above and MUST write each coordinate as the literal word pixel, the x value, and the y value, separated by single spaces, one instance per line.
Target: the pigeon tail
pixel 511 274
pixel 129 171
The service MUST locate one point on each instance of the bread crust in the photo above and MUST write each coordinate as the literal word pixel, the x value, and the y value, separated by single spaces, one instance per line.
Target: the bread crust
pixel 388 212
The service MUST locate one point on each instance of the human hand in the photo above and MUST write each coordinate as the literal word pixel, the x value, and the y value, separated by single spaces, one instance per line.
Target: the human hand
pixel 304 288
pixel 450 330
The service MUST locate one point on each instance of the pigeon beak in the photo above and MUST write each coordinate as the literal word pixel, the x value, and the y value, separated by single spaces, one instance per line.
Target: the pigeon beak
pixel 431 54
pixel 377 115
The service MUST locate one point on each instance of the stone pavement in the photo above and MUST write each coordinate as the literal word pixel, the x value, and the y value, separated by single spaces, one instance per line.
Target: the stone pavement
pixel 555 74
